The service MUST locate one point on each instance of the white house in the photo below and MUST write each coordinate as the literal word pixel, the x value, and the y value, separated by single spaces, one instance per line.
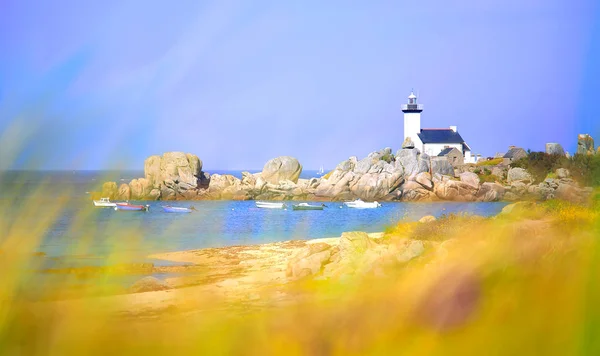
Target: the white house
pixel 431 141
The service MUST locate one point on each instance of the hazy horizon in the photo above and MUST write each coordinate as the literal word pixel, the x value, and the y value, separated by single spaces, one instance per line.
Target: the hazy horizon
pixel 102 86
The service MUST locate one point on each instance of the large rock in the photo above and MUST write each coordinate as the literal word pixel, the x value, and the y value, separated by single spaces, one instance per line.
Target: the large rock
pixel 470 178
pixel 408 160
pixel 585 144
pixel 178 167
pixel 109 190
pixel 225 186
pixel 412 249
pixel 424 179
pixel 148 284
pixel 364 165
pixel 442 166
pixel 281 168
pixel 152 170
pixel 347 165
pixel 519 175
pixel 374 186
pixel 249 179
pixel 309 260
pixel 140 188
pixel 354 243
pixel 563 173
pixel 413 191
pixel 124 192
pixel 455 190
pixel 555 149
pixel 408 143
pixel 490 192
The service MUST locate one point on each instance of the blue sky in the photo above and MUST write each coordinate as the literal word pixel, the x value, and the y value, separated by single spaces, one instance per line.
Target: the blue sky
pixel 106 84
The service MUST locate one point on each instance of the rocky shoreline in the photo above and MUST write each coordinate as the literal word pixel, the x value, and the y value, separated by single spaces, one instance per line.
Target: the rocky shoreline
pixel 407 175
pixel 264 273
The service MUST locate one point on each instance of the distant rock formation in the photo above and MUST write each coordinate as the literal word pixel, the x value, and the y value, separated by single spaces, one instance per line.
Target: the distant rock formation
pixel 407 175
pixel 280 169
pixel 554 149
pixel 585 145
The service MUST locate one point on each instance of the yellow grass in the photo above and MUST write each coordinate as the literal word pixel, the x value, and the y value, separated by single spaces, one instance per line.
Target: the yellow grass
pixel 519 284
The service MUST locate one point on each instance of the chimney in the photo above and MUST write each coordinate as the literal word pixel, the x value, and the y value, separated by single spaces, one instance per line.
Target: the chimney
pixel 454 128
pixel 511 147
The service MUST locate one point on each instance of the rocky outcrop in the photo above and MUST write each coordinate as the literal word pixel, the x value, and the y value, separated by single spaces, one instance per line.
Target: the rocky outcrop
pixel 408 143
pixel 372 178
pixel 442 166
pixel 356 254
pixel 109 190
pixel 148 284
pixel 309 261
pixel 555 149
pixel 585 145
pixel 518 175
pixel 281 168
pixel 124 192
pixel 407 175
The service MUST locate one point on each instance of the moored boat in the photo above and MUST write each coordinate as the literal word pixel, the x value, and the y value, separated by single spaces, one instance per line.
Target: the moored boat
pixel 359 204
pixel 306 206
pixel 270 205
pixel 177 209
pixel 131 207
pixel 104 203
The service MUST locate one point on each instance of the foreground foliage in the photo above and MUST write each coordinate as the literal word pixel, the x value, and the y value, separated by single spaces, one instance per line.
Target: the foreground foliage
pixel 524 282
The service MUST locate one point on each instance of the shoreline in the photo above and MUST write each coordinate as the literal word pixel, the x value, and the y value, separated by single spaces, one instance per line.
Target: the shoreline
pixel 192 256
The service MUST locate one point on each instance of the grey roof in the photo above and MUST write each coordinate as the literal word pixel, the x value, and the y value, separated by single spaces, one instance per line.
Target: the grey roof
pixel 445 151
pixel 513 151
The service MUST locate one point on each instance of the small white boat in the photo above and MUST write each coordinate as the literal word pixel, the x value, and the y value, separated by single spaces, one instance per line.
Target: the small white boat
pixel 359 204
pixel 321 171
pixel 104 203
pixel 270 205
pixel 177 209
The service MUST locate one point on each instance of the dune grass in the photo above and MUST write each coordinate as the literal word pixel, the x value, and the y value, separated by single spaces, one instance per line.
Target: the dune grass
pixel 520 283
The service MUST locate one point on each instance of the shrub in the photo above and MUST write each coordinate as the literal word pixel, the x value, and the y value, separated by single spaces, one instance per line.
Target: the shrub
pixel 585 169
pixel 539 164
pixel 485 178
pixel 492 162
pixel 388 157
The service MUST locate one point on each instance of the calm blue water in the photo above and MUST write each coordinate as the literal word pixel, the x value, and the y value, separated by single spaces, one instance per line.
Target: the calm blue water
pixel 85 231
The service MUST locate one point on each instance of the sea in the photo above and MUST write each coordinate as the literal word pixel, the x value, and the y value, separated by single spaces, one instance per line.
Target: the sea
pixel 81 233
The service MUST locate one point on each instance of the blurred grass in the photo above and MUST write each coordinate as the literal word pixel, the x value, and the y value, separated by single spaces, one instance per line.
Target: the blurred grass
pixel 520 283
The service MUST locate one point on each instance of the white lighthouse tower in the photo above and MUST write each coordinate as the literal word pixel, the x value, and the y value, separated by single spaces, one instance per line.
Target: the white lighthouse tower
pixel 412 120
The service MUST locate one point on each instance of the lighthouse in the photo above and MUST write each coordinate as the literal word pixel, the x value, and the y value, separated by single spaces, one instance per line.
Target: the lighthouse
pixel 434 142
pixel 412 120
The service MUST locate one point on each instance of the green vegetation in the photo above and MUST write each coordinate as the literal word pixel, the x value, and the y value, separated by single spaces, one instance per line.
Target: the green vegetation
pixel 493 162
pixel 388 157
pixel 585 169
